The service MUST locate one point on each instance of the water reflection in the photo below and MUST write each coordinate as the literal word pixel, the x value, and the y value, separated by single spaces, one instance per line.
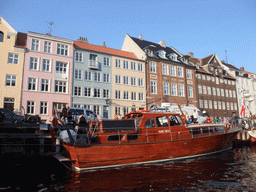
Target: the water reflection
pixel 234 170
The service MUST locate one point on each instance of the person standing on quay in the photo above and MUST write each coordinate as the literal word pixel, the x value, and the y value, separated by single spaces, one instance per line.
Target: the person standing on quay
pixel 195 115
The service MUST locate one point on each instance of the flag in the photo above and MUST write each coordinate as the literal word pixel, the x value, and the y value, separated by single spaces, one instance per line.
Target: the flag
pixel 54 123
pixel 242 113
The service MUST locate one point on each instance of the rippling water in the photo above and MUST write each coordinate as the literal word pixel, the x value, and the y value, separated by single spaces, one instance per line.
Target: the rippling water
pixel 233 170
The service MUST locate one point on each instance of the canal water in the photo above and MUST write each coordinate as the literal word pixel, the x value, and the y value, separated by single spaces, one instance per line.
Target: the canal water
pixel 233 170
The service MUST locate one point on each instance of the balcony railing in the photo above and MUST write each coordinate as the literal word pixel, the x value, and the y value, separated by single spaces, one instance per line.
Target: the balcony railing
pixel 93 64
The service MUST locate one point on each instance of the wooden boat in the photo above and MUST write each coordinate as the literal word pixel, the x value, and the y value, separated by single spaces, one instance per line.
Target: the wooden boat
pixel 144 137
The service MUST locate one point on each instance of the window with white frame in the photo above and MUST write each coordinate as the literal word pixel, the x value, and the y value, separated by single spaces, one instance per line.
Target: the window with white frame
pixel 79 56
pixel 106 61
pixel 153 87
pixel 173 70
pixel 231 106
pixel 181 90
pixel 203 77
pixel 35 45
pixel 31 107
pixel 118 94
pixel 133 65
pixel 96 92
pixel 62 49
pixel 125 110
pixel 106 77
pixel 165 69
pixel 45 85
pixel 60 86
pixel 218 91
pixel 201 104
pixel 221 81
pixel 96 76
pixel 96 109
pixel 13 58
pixel 61 67
pixel 126 95
pixel 33 63
pixel 10 80
pixel 78 91
pixel 230 93
pixel 225 81
pixel 133 81
pixel 204 90
pixel 173 56
pixel 32 84
pixel 233 83
pixel 234 94
pixel 198 76
pixel 190 92
pixel 126 80
pixel 223 105
pixel 166 88
pixel 205 104
pixel 219 104
pixel 133 95
pixel 125 64
pixel 140 82
pixel 161 54
pixel 208 78
pixel 46 65
pixel 222 93
pixel 228 106
pixel 118 63
pixel 87 91
pixel 117 111
pixel 226 91
pixel 174 89
pixel 43 107
pixel 199 89
pixel 209 90
pixel 47 46
pixel 229 82
pixel 105 93
pixel 140 68
pixel 140 96
pixel 210 104
pixel 152 67
pixel 118 79
pixel 189 73
pixel 78 74
pixel 87 75
pixel 235 106
pixel 215 105
pixel 180 72
pixel 213 79
pixel 213 91
pixel 217 80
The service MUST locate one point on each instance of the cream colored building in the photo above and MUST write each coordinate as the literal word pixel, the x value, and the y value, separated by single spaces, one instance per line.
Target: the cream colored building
pixel 12 49
pixel 128 85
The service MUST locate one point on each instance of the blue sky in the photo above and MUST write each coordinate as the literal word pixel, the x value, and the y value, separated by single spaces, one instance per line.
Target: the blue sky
pixel 203 27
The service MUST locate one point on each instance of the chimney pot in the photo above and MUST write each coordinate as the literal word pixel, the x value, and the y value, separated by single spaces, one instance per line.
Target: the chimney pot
pixel 242 68
pixel 104 44
pixel 162 43
pixel 140 37
pixel 191 54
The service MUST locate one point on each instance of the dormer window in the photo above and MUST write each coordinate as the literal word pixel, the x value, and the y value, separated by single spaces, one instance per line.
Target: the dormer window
pixel 161 54
pixel 220 70
pixel 173 57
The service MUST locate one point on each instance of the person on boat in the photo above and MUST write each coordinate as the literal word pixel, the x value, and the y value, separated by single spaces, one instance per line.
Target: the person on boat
pixel 64 112
pixel 219 120
pixel 195 116
pixel 190 119
pixel 216 120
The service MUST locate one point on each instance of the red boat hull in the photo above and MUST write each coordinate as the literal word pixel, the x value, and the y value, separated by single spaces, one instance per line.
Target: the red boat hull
pixel 85 158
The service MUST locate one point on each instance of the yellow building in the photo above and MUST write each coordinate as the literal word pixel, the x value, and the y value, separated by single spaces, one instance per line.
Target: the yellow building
pixel 128 85
pixel 12 50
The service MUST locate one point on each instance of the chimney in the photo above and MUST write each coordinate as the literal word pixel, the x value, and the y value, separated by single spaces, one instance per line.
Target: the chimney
pixel 242 68
pixel 82 39
pixel 140 37
pixel 191 54
pixel 104 45
pixel 222 61
pixel 162 43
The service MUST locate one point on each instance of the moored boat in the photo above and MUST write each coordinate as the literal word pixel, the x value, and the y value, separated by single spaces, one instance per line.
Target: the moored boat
pixel 143 137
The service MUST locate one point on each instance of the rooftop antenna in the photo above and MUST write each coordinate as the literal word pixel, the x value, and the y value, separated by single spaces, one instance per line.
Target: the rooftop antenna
pixel 50 27
pixel 226 56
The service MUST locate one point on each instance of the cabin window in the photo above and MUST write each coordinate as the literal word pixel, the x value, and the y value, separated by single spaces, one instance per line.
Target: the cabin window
pixel 132 136
pixel 218 129
pixel 175 120
pixel 115 137
pixel 195 131
pixel 207 130
pixel 150 123
pixel 162 121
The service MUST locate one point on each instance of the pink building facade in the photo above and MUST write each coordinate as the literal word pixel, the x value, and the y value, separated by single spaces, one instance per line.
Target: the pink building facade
pixel 47 78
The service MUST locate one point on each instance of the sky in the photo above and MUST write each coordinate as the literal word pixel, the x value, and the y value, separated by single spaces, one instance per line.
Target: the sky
pixel 203 27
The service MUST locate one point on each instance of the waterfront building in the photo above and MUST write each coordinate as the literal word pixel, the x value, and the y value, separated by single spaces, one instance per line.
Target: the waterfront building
pixel 12 50
pixel 47 74
pixel 96 69
pixel 245 88
pixel 216 89
pixel 169 75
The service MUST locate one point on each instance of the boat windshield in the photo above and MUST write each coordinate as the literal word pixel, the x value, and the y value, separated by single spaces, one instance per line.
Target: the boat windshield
pixel 137 122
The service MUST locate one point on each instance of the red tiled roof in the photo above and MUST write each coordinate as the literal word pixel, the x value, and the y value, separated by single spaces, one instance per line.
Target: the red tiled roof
pixel 206 59
pixel 21 40
pixel 194 60
pixel 97 48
